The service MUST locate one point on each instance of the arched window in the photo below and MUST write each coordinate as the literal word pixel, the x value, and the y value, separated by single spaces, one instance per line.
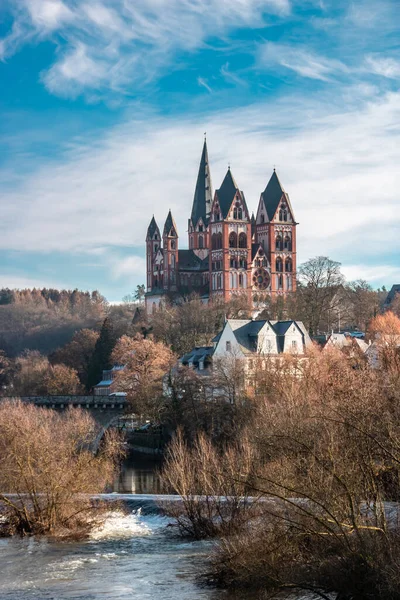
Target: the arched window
pixel 279 281
pixel 200 227
pixel 214 241
pixel 288 265
pixel 235 213
pixel 279 242
pixel 283 213
pixel 173 245
pixel 155 236
pixel 240 280
pixel 287 242
pixel 219 282
pixel 262 218
pixel 240 214
pixel 219 241
pixel 155 247
pixel 242 240
pixel 201 241
pixel 232 240
pixel 279 265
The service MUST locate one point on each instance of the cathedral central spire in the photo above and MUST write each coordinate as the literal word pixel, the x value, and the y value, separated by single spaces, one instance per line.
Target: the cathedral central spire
pixel 203 193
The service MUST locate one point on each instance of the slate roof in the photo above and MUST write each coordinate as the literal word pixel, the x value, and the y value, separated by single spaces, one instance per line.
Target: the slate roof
pixel 203 192
pixel 226 193
pixel 254 250
pixel 196 355
pixel 169 224
pixel 272 195
pixel 246 333
pixel 153 227
pixel 189 261
pixel 392 294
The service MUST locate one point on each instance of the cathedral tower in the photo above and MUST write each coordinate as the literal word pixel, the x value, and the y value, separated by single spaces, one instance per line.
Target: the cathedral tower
pixel 153 244
pixel 230 241
pixel 198 222
pixel 275 231
pixel 170 250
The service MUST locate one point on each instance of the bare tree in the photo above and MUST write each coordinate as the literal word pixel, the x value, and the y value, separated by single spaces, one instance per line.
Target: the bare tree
pixel 319 279
pixel 48 470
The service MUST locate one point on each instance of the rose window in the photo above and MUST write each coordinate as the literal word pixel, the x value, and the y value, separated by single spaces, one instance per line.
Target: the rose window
pixel 261 279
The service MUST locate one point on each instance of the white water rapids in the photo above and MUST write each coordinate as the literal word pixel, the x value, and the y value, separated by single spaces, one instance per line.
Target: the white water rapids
pixel 131 556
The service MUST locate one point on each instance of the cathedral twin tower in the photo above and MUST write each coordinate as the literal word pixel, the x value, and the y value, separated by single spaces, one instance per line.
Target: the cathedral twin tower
pixel 230 252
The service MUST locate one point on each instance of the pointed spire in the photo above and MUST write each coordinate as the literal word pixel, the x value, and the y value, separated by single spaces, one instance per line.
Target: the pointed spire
pixel 170 225
pixel 272 195
pixel 153 227
pixel 203 192
pixel 227 192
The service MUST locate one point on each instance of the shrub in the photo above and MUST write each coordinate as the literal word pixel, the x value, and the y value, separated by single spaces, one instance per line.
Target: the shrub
pixel 48 470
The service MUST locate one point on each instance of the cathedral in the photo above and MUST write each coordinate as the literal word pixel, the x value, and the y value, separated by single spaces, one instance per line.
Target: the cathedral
pixel 230 251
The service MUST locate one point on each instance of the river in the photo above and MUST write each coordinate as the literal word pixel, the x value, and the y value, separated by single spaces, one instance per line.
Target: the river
pixel 133 556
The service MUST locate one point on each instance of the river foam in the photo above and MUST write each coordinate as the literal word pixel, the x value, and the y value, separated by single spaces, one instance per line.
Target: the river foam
pixel 119 525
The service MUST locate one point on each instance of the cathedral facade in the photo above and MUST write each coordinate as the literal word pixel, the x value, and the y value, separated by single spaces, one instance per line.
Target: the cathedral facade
pixel 230 251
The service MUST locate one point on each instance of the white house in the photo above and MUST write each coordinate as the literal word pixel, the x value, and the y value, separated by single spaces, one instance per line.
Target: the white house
pixel 246 338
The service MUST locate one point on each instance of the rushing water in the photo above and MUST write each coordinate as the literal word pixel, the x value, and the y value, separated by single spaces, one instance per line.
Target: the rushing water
pixel 132 556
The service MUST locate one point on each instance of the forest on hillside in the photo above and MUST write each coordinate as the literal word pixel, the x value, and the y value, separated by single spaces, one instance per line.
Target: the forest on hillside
pixel 60 341
pixel 45 319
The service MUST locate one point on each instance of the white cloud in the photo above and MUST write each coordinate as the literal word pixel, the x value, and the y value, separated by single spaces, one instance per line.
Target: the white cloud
pixel 18 282
pixel 48 15
pixel 203 83
pixel 387 67
pixel 373 274
pixel 128 267
pixel 302 61
pixel 339 167
pixel 129 41
pixel 76 70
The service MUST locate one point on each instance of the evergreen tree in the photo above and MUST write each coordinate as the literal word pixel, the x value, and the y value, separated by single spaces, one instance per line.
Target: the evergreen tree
pixel 101 358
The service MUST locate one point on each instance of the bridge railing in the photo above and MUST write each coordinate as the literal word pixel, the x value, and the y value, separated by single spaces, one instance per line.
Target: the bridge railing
pixel 92 402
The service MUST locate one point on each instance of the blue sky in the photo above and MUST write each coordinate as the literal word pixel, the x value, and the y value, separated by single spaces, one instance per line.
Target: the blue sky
pixel 104 104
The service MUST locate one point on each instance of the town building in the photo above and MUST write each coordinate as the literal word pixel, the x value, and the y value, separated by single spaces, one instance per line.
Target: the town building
pixel 248 339
pixel 230 251
pixel 108 384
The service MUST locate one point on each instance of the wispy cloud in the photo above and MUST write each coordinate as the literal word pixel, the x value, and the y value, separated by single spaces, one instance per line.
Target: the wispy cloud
pixel 110 43
pixel 384 66
pixel 301 60
pixel 203 83
pixel 231 76
pixel 340 168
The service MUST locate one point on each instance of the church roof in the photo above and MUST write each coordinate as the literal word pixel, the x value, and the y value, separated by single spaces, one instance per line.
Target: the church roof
pixel 189 261
pixel 254 249
pixel 272 195
pixel 392 294
pixel 169 224
pixel 203 192
pixel 226 193
pixel 153 227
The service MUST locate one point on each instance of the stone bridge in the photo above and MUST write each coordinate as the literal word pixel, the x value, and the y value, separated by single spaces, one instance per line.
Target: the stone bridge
pixel 104 409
